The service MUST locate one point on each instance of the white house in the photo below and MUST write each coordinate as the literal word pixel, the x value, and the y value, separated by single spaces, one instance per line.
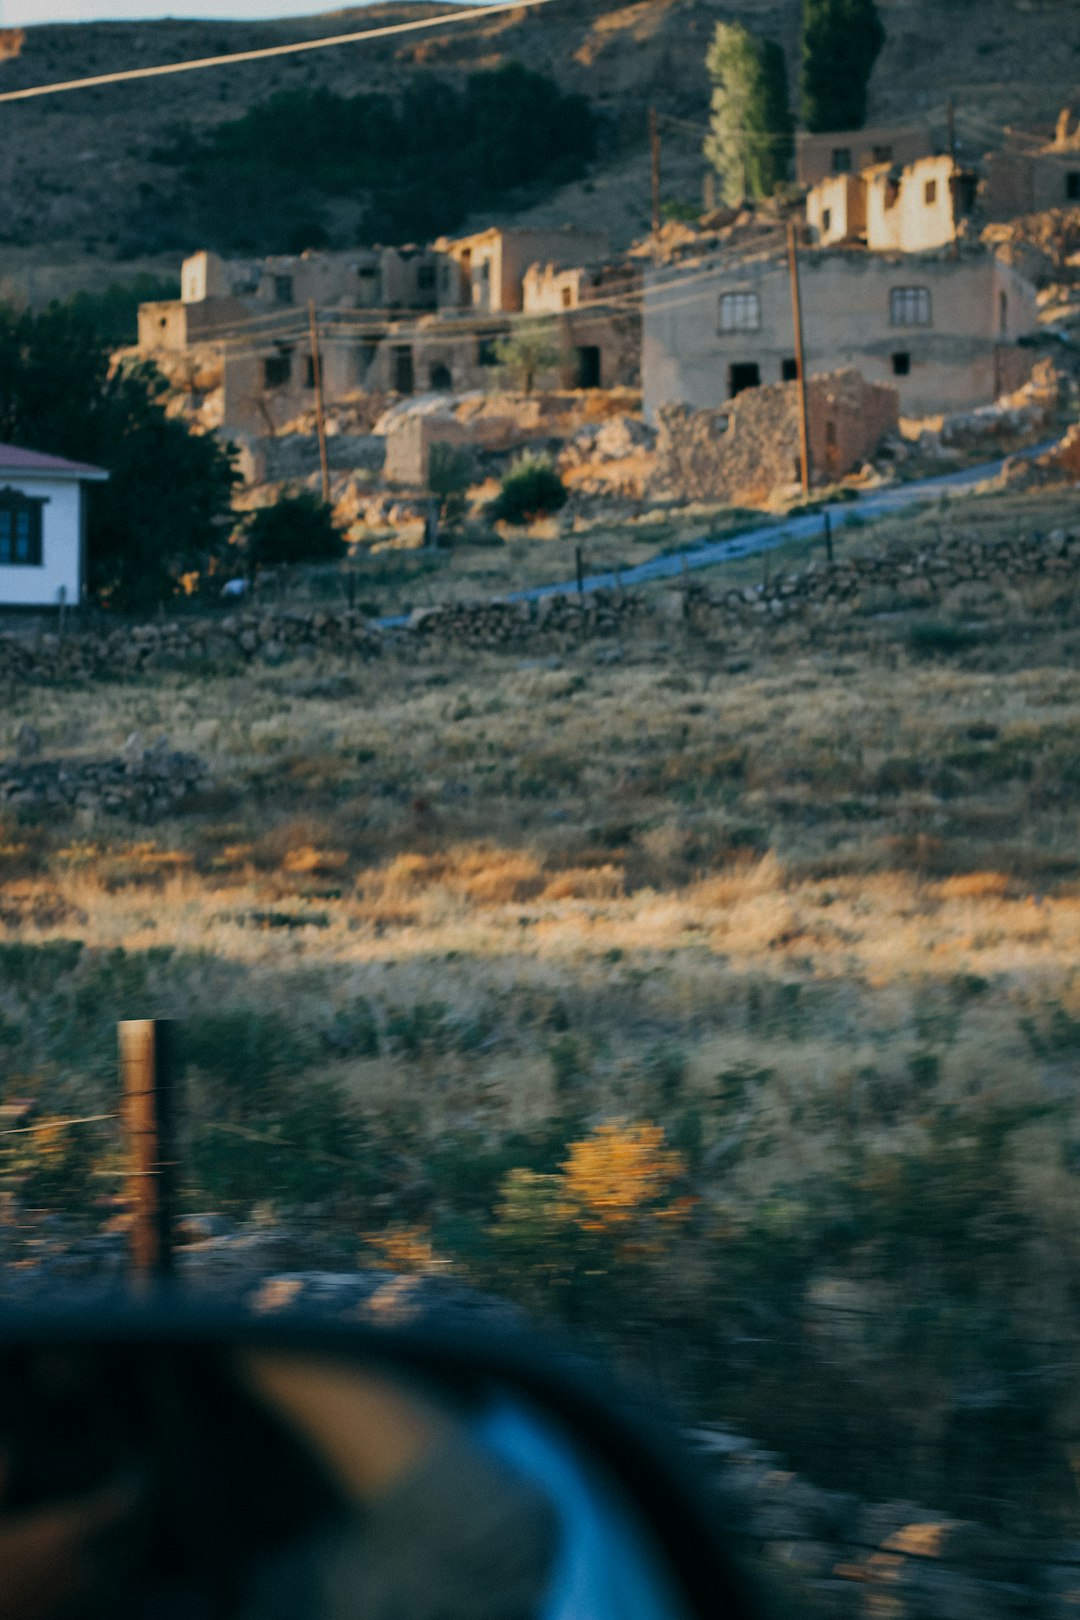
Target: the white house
pixel 42 528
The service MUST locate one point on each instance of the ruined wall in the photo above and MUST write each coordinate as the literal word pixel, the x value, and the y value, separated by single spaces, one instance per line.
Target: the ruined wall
pixel 748 450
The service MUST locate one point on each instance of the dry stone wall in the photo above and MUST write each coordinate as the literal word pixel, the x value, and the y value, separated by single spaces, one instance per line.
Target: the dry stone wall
pixel 142 783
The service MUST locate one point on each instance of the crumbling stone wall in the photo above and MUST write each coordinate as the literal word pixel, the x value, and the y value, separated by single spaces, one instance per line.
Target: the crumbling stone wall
pixel 746 450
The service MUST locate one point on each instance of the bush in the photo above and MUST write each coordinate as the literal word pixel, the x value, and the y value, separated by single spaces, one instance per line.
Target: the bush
pixel 450 472
pixel 530 489
pixel 296 529
pixel 930 636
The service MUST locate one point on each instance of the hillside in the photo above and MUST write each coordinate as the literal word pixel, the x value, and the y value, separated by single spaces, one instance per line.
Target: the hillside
pixel 83 187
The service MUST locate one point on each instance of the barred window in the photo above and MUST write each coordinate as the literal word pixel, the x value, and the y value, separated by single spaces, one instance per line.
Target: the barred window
pixel 20 530
pixel 740 312
pixel 909 306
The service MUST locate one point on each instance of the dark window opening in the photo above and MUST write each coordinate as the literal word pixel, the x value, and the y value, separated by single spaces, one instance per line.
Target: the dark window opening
pixel 440 376
pixel 841 160
pixel 1072 185
pixel 365 358
pixel 486 352
pixel 743 374
pixel 567 298
pixel 163 320
pixel 277 369
pixel 309 371
pixel 826 219
pixel 283 289
pixel 901 364
pixel 930 192
pixel 789 370
pixel 587 366
pixel 1003 314
pixel 830 434
pixel 882 154
pixel 425 277
pixel 403 370
pixel 20 529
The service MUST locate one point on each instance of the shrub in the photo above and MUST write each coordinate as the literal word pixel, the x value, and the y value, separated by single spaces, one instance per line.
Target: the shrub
pixel 297 529
pixel 530 489
pixel 931 636
pixel 450 472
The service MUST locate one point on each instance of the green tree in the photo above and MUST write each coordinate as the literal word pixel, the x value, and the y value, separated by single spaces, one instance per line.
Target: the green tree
pixel 750 128
pixel 525 354
pixel 296 529
pixel 841 40
pixel 165 509
pixel 450 472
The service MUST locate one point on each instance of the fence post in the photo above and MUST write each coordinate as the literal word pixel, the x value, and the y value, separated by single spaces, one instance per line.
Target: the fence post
pixel 146 1080
pixel 579 564
pixel 828 537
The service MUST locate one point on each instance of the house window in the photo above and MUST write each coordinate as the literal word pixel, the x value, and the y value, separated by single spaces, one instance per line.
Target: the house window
pixel 740 312
pixel 1072 185
pixel 365 358
pixel 283 289
pixel 277 369
pixel 486 352
pixel 567 298
pixel 404 380
pixel 841 160
pixel 930 193
pixel 909 306
pixel 789 370
pixel 901 364
pixel 425 278
pixel 309 371
pixel 20 529
pixel 826 219
pixel 1003 314
pixel 882 154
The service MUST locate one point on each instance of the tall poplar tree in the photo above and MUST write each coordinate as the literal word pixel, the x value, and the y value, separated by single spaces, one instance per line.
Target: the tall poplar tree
pixel 841 41
pixel 750 127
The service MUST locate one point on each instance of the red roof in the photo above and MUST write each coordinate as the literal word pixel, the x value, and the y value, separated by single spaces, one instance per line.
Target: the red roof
pixel 14 460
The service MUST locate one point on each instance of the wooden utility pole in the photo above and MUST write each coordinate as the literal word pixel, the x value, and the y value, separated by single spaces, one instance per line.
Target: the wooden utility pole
pixel 146 1081
pixel 654 147
pixel 320 418
pixel 951 116
pixel 800 366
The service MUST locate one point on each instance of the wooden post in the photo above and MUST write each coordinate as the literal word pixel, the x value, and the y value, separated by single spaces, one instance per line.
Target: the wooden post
pixel 146 1081
pixel 951 116
pixel 579 565
pixel 800 365
pixel 320 419
pixel 654 148
pixel 828 538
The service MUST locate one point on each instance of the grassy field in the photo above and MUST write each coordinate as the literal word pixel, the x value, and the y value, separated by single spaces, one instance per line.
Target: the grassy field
pixel 723 1001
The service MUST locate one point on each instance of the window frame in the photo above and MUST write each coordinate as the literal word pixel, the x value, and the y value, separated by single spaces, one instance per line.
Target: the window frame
pixel 910 306
pixel 733 303
pixel 929 193
pixel 840 160
pixel 14 503
pixel 281 361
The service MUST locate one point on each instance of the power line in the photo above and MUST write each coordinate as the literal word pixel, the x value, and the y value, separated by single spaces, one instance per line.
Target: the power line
pixel 267 52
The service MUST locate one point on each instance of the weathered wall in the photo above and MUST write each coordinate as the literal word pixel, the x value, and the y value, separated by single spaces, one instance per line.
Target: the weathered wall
pixel 814 153
pixel 750 450
pixel 899 216
pixel 847 323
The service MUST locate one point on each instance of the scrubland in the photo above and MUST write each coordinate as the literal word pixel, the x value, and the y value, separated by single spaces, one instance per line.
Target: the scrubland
pixel 722 1002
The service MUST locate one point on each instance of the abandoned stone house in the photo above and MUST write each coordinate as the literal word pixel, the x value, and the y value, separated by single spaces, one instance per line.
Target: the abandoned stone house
pixel 889 208
pixel 391 320
pixel 818 156
pixel 940 330
pixel 1026 177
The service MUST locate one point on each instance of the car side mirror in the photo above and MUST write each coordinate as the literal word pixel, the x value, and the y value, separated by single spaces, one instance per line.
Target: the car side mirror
pixel 159 1459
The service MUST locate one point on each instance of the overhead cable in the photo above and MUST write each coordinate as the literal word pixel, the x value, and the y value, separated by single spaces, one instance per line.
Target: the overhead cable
pixel 267 52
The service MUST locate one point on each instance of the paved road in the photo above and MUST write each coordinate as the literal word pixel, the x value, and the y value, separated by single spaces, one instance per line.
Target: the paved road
pixel 708 552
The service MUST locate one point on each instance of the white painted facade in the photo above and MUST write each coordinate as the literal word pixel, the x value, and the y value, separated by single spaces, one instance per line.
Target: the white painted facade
pixel 55 490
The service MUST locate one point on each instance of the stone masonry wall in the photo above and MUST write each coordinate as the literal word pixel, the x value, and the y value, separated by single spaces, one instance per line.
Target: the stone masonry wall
pixel 746 450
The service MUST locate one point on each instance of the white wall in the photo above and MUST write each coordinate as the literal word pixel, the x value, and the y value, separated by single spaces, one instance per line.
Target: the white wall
pixel 60 547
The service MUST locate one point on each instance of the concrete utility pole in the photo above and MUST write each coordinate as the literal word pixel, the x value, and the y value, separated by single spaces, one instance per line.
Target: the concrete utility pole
pixel 800 367
pixel 654 147
pixel 146 1081
pixel 320 419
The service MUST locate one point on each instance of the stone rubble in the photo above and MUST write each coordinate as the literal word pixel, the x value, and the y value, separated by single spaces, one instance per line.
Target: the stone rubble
pixel 142 783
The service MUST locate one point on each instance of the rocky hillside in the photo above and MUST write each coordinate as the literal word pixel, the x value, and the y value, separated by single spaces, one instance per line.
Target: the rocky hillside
pixel 82 185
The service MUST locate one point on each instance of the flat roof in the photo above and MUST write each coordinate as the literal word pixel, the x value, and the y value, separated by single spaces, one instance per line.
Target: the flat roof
pixel 36 462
